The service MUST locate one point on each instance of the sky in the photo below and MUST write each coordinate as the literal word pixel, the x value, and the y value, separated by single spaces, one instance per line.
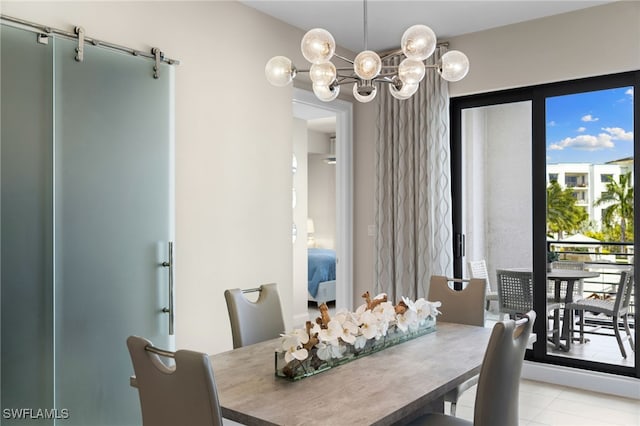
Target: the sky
pixel 591 127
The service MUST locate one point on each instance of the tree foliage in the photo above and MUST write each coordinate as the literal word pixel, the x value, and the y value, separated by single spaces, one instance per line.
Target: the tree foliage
pixel 562 213
pixel 618 212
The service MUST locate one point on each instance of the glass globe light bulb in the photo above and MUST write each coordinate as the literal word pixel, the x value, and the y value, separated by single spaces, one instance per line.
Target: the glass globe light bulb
pixel 326 93
pixel 364 94
pixel 323 73
pixel 318 46
pixel 367 65
pixel 279 71
pixel 454 65
pixel 418 42
pixel 411 71
pixel 404 92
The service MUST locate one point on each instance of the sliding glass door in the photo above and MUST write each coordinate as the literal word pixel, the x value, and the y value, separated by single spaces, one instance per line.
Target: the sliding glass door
pixel 547 173
pixel 87 216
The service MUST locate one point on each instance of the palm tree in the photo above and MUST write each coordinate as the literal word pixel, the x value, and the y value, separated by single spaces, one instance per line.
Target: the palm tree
pixel 562 213
pixel 619 201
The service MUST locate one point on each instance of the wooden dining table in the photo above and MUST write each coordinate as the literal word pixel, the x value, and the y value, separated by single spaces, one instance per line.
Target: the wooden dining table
pixel 392 386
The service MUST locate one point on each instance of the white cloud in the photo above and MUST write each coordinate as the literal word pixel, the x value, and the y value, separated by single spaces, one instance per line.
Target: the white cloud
pixel 629 92
pixel 618 133
pixel 584 143
pixel 589 118
pixel 593 143
pixel 581 129
pixel 551 124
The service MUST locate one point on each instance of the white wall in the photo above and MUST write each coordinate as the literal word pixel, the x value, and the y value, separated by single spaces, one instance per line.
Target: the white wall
pixel 595 41
pixel 322 200
pixel 233 145
pixel 233 175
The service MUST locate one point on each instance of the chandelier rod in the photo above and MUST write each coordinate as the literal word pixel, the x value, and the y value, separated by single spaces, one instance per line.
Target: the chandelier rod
pixel 366 35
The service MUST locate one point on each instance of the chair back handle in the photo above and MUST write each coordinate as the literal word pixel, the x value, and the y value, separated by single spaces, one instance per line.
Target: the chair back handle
pixel 159 351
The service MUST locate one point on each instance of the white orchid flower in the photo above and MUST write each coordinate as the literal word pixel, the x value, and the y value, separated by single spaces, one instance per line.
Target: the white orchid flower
pixel 302 335
pixel 331 333
pixel 349 331
pixel 357 315
pixel 422 309
pixel 433 307
pixel 338 350
pixel 385 311
pixel 342 315
pixel 410 304
pixel 360 342
pixel 291 346
pixel 369 325
pixel 315 329
pixel 407 320
pixel 326 351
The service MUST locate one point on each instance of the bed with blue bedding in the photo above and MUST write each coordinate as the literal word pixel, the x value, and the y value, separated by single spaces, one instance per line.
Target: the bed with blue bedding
pixel 321 274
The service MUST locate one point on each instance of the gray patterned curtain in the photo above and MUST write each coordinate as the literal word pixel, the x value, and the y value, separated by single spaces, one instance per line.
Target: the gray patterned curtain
pixel 413 190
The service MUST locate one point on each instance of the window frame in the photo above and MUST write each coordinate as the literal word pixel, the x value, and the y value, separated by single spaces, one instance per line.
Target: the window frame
pixel 537 96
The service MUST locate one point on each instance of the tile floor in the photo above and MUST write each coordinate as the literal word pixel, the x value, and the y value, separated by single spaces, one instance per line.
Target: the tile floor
pixel 554 405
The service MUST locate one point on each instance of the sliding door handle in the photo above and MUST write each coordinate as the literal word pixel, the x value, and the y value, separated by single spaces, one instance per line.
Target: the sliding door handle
pixel 171 309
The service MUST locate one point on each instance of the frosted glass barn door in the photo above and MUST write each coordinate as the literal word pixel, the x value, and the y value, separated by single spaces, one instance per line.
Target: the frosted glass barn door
pixel 27 224
pixel 113 220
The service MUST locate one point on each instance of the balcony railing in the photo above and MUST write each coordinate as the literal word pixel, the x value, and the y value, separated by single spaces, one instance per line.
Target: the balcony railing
pixel 607 258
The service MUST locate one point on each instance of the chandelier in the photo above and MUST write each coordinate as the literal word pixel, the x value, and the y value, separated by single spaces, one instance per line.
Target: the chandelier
pixel 366 70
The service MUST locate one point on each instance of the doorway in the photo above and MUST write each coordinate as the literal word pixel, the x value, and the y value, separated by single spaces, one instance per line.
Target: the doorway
pixel 307 107
pixel 576 135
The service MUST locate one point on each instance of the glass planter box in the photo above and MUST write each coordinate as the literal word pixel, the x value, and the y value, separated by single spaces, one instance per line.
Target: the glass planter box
pixel 296 369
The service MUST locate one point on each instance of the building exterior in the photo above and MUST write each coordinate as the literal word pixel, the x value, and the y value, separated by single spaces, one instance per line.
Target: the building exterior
pixel 588 181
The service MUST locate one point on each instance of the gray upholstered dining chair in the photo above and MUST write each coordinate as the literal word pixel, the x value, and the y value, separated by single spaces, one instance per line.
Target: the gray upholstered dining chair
pixel 464 306
pixel 499 382
pixel 183 394
pixel 615 309
pixel 253 322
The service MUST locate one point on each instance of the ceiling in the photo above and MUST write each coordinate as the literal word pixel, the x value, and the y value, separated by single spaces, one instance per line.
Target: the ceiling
pixel 388 19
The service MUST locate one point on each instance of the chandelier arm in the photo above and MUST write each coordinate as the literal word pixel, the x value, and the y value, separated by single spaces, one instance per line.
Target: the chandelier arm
pixel 392 54
pixel 380 76
pixel 347 80
pixel 343 58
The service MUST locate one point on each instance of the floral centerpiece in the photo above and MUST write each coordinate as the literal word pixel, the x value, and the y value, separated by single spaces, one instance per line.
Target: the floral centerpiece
pixel 375 325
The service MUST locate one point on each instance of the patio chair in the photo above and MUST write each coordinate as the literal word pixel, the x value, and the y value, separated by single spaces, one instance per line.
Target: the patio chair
pixel 515 298
pixel 478 269
pixel 616 309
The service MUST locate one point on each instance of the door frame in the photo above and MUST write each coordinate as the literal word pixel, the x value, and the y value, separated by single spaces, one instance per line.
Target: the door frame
pixel 537 95
pixel 344 190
